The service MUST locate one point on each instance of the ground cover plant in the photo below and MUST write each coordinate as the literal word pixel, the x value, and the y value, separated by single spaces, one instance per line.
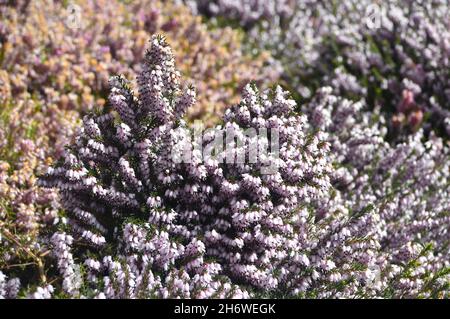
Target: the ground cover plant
pixel 157 157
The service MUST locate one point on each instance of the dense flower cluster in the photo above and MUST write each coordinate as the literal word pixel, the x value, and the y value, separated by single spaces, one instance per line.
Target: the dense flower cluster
pixel 25 208
pixel 8 288
pixel 285 233
pixel 223 211
pixel 394 53
pixel 341 190
pixel 69 59
pixel 246 13
pixel 54 68
pixel 406 184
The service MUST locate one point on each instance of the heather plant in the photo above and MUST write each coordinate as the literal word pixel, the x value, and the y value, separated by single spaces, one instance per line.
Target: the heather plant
pixel 222 211
pixel 141 224
pixel 53 70
pixel 341 213
pixel 245 13
pixel 25 208
pixel 8 288
pixel 406 184
pixel 394 53
pixel 69 59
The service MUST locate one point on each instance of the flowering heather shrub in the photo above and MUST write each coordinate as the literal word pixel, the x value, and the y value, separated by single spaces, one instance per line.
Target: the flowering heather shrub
pixel 144 225
pixel 345 214
pixel 8 288
pixel 25 209
pixel 51 73
pixel 400 65
pixel 184 210
pixel 246 13
pixel 406 184
pixel 69 63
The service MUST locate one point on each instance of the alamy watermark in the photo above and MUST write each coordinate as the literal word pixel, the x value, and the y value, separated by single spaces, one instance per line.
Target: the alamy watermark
pixel 373 276
pixel 72 15
pixel 73 19
pixel 231 145
pixel 374 16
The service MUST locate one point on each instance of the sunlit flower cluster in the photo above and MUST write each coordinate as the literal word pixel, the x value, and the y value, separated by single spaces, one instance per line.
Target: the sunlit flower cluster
pixel 394 53
pixel 68 58
pixel 338 187
pixel 54 68
pixel 223 211
pixel 308 229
